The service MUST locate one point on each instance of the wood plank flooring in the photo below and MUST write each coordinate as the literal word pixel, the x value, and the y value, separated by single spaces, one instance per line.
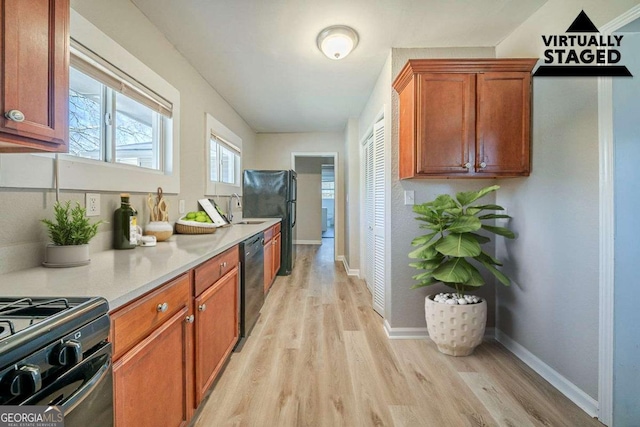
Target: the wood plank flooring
pixel 318 356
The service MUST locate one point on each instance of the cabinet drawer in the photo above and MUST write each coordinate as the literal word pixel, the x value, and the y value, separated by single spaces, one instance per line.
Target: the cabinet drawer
pixel 268 234
pixel 129 325
pixel 276 228
pixel 212 270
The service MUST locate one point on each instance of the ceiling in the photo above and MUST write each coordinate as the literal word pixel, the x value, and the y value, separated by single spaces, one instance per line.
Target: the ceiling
pixel 261 55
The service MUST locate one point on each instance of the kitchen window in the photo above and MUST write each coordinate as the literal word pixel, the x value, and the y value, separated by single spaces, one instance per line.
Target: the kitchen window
pixel 113 118
pixel 124 125
pixel 328 182
pixel 224 159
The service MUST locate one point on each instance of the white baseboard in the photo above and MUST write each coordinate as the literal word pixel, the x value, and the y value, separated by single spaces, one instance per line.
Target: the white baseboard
pixel 404 333
pixel 350 271
pixel 421 333
pixel 307 242
pixel 566 387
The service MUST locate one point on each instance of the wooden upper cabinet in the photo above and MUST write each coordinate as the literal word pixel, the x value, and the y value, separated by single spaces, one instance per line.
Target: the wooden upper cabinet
pixel 34 70
pixel 464 118
pixel 504 124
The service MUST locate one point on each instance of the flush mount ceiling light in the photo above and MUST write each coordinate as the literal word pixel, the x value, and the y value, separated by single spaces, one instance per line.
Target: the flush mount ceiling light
pixel 337 41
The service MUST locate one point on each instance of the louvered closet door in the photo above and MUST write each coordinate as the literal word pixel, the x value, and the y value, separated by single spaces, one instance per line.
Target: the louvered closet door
pixel 379 184
pixel 368 203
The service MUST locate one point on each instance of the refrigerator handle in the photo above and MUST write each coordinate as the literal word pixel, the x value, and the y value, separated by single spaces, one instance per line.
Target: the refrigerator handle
pixel 293 214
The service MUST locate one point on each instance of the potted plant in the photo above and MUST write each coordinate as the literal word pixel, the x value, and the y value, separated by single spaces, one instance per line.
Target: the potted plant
pixel 451 253
pixel 70 232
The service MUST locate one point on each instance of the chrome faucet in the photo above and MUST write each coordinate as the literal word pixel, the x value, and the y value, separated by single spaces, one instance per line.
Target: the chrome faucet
pixel 230 210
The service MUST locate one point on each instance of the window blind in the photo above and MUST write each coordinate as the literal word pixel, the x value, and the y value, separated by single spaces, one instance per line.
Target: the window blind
pixel 92 64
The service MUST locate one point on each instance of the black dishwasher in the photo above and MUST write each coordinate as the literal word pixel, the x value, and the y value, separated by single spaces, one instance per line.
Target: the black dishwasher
pixel 251 283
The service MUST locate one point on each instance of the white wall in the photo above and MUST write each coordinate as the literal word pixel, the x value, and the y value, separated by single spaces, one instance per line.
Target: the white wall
pixel 22 236
pixel 273 151
pixel 555 210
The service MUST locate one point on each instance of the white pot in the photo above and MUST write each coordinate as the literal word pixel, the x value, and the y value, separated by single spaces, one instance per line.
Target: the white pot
pixel 161 229
pixel 66 256
pixel 456 329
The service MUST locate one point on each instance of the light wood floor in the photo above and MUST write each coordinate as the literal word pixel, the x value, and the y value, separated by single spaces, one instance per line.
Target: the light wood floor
pixel 318 356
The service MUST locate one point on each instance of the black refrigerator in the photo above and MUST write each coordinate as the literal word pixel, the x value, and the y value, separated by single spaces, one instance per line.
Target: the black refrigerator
pixel 273 194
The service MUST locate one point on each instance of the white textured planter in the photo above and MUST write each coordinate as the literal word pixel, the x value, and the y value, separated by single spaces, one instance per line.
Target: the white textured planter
pixel 456 329
pixel 66 256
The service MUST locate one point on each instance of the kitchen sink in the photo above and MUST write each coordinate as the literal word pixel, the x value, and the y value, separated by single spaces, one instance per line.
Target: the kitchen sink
pixel 250 222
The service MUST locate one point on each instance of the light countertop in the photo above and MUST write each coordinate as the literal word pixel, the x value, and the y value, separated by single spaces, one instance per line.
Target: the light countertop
pixel 123 275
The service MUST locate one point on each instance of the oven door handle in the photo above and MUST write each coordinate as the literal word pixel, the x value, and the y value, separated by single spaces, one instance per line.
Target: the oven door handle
pixel 83 392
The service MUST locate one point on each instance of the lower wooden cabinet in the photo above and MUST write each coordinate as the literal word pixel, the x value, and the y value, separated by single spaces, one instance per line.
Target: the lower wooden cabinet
pixel 153 381
pixel 277 251
pixel 268 264
pixel 272 255
pixel 153 356
pixel 216 330
pixel 172 343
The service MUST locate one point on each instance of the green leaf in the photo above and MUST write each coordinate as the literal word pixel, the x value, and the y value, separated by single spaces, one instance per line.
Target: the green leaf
pixel 423 239
pixel 485 257
pixel 486 208
pixel 502 231
pixel 497 273
pixel 493 216
pixel 475 278
pixel 458 245
pixel 452 271
pixel 444 201
pixel 426 252
pixel 480 239
pixel 465 224
pixel 424 283
pixel 427 265
pixel 468 197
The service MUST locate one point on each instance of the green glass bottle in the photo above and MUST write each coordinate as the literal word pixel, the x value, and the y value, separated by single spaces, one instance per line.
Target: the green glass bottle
pixel 125 221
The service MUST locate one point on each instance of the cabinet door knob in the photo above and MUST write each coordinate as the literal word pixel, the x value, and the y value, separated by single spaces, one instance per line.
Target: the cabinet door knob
pixel 202 307
pixel 14 116
pixel 189 319
pixel 483 165
pixel 467 165
pixel 162 307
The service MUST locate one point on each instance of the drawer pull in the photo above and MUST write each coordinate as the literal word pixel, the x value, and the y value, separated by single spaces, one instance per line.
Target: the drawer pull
pixel 14 116
pixel 162 307
pixel 202 307
pixel 467 165
pixel 189 319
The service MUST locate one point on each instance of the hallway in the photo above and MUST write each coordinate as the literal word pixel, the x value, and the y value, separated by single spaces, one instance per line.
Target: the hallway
pixel 319 356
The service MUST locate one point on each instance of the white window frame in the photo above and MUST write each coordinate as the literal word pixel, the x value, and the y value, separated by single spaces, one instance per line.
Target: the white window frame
pixel 76 173
pixel 233 141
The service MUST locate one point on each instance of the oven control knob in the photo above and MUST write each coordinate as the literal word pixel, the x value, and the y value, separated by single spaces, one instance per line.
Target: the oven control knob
pixel 26 380
pixel 68 353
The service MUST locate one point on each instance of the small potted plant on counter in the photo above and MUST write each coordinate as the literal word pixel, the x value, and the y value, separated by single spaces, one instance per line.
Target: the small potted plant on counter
pixel 70 233
pixel 450 253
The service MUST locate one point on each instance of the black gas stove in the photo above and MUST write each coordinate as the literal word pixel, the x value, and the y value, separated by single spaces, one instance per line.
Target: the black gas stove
pixel 54 351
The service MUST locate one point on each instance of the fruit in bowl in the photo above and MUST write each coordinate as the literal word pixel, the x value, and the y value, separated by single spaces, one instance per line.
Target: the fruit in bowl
pixel 198 216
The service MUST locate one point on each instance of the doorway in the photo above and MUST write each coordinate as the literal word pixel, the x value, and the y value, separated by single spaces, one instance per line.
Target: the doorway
pixel 318 199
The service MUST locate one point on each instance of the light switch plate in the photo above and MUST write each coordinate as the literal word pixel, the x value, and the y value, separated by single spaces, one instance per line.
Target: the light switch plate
pixel 409 197
pixel 181 206
pixel 92 202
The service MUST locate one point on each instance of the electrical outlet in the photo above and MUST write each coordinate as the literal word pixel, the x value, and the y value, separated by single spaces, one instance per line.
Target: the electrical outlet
pixel 181 206
pixel 92 203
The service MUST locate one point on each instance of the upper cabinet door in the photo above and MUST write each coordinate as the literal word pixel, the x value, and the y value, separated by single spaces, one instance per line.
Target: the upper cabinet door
pixel 504 120
pixel 35 73
pixel 446 124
